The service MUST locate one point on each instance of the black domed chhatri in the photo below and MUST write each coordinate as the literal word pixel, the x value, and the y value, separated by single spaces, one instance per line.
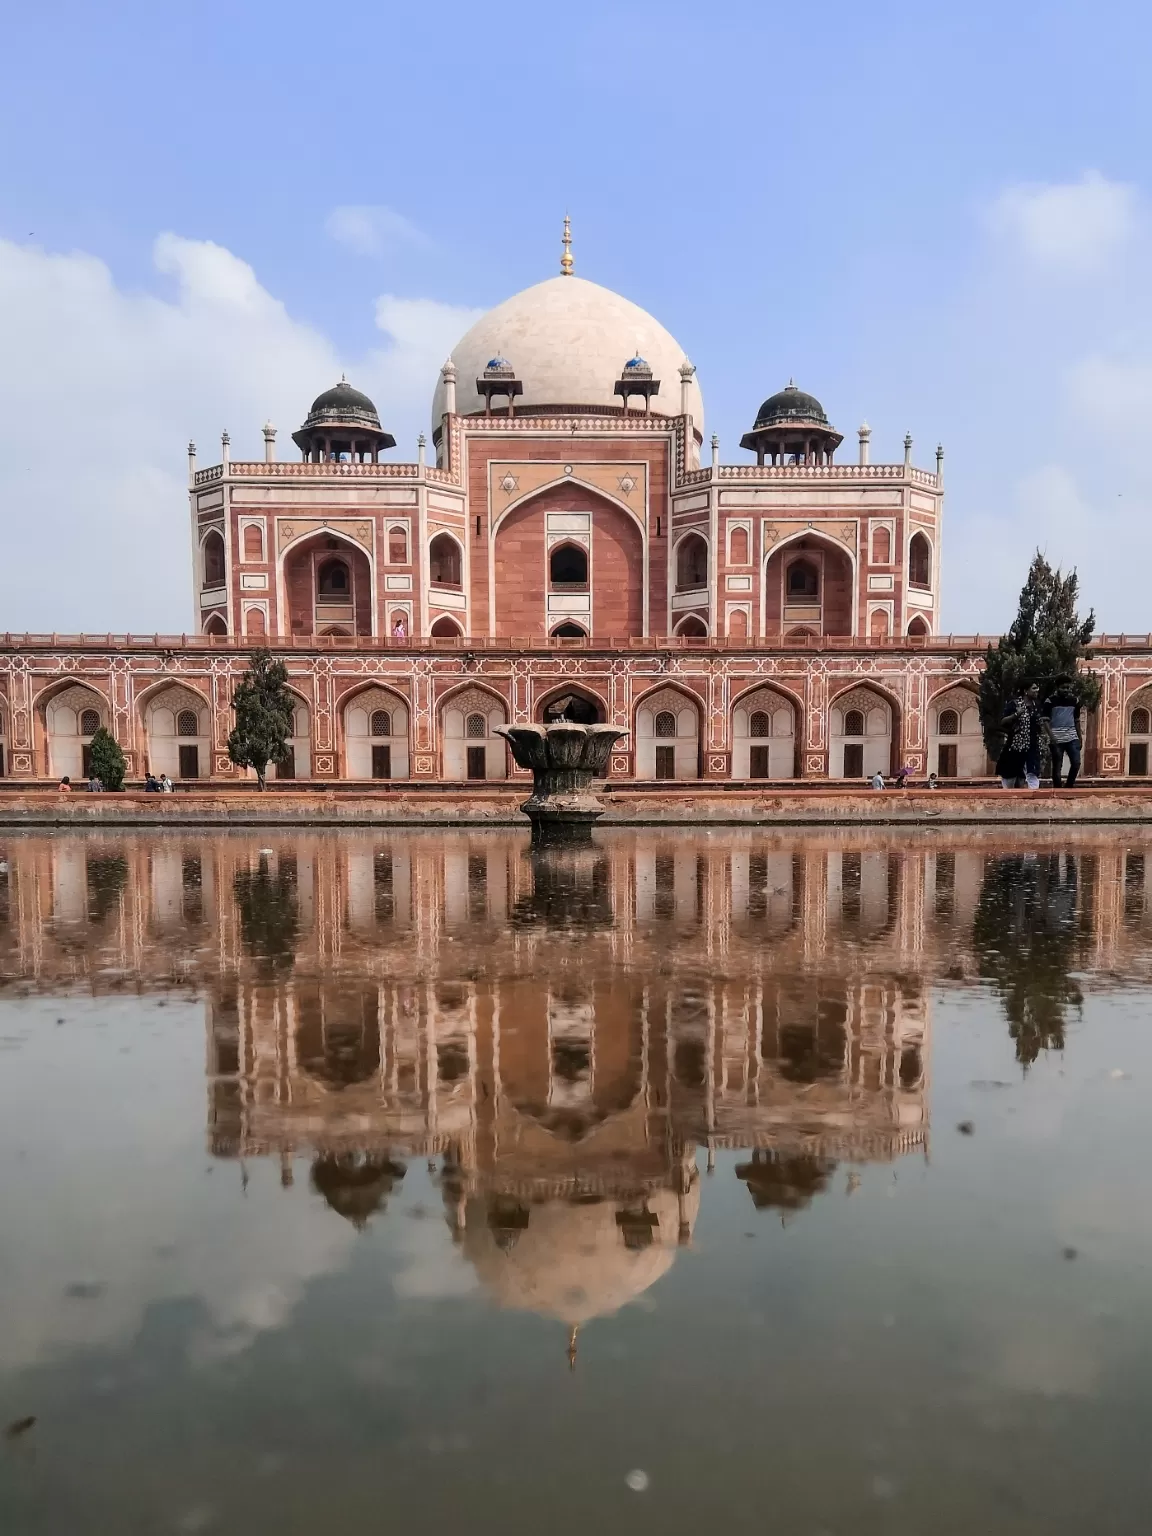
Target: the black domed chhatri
pixel 790 405
pixel 792 428
pixel 342 424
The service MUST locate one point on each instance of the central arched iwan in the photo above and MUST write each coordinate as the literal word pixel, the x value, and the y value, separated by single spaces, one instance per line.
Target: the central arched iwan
pixel 568 513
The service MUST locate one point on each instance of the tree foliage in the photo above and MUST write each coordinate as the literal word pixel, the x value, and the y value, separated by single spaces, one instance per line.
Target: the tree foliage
pixel 263 709
pixel 106 760
pixel 1047 641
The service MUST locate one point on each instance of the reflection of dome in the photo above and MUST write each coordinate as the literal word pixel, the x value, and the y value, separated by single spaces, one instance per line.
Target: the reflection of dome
pixel 787 1183
pixel 576 1260
pixel 355 1187
pixel 790 405
pixel 568 336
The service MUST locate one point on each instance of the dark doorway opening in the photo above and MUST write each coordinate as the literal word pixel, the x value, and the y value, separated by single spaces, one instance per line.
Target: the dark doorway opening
pixel 947 768
pixel 189 762
pixel 287 769
pixel 853 759
pixel 1138 758
pixel 665 762
pixel 758 763
pixel 477 764
pixel 381 761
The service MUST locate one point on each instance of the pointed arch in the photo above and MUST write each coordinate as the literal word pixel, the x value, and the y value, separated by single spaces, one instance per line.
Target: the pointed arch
pixel 838 585
pixel 859 753
pixel 446 628
pixel 663 754
pixel 467 752
pixel 955 742
pixel 564 481
pixel 765 754
pixel 582 693
pixel 60 710
pixel 375 721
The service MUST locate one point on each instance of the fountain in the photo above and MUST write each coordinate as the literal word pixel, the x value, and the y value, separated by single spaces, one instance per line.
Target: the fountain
pixel 564 758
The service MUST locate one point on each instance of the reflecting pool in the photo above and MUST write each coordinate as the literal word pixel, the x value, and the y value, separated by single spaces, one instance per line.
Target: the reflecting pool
pixel 786 1181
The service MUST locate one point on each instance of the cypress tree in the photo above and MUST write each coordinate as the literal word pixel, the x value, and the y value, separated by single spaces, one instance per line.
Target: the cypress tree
pixel 1047 641
pixel 263 709
pixel 106 760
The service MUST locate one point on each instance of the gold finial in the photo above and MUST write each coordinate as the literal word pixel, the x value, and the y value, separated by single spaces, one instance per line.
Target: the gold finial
pixel 572 1332
pixel 566 262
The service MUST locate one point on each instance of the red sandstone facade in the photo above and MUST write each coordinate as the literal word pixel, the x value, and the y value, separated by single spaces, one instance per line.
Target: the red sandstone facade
pixel 773 620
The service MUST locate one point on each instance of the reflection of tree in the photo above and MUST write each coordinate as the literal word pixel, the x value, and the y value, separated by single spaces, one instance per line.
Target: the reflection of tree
pixel 107 877
pixel 356 1187
pixel 269 916
pixel 1027 941
pixel 785 1183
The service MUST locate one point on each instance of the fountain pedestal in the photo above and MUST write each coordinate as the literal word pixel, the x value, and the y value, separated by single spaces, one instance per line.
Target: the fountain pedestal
pixel 565 759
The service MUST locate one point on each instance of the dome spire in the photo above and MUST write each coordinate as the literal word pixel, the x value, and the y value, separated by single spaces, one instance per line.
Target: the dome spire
pixel 566 262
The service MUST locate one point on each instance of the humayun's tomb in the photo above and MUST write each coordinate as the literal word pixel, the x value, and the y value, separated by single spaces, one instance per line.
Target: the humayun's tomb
pixel 562 549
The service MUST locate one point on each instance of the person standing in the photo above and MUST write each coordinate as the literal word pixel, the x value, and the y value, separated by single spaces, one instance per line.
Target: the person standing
pixel 1020 755
pixel 1060 711
pixel 877 781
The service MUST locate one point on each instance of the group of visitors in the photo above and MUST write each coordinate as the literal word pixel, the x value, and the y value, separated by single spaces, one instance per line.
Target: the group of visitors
pixel 157 786
pixel 95 786
pixel 1023 717
pixel 901 779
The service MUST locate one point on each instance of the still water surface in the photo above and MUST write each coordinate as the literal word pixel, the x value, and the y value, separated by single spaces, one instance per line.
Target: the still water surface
pixel 740 1181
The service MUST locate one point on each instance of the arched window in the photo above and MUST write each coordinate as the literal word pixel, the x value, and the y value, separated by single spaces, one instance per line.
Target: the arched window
pixel 397 546
pixel 691 563
pixel 569 632
pixel 333 581
pixel 854 723
pixel 444 561
pixel 254 622
pixel 692 628
pixel 215 626
pixel 949 723
pixel 1141 722
pixel 253 542
pixel 568 566
pixel 918 629
pixel 760 723
pixel 380 723
pixel 446 629
pixel 475 727
pixel 881 546
pixel 213 560
pixel 803 580
pixel 738 547
pixel 89 722
pixel 919 561
pixel 187 723
pixel 665 723
pixel 878 624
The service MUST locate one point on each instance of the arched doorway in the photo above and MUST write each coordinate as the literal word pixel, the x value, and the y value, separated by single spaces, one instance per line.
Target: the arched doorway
pixel 328 587
pixel 71 719
pixel 472 750
pixel 178 734
pixel 212 560
pixel 919 562
pixel 763 736
pixel 860 740
pixel 809 582
pixel 1138 713
pixel 691 563
pixel 574 704
pixel 955 743
pixel 376 736
pixel 446 629
pixel 667 736
pixel 918 628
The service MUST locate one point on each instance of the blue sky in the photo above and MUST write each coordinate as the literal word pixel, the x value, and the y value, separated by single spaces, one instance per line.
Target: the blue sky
pixel 935 218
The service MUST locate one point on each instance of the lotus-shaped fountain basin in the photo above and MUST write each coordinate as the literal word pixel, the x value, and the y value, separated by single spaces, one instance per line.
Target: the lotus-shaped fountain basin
pixel 565 759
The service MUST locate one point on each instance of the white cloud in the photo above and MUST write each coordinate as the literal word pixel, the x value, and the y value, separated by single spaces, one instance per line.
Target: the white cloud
pixel 370 229
pixel 1071 227
pixel 102 388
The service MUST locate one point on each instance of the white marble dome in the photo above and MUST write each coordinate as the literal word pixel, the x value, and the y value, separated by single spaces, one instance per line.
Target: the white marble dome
pixel 568 341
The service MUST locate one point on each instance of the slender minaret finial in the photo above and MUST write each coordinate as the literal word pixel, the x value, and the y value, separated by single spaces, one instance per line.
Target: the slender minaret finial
pixel 572 1332
pixel 566 262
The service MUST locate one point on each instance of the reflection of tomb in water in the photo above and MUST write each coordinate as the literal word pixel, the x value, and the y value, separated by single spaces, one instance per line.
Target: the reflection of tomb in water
pixel 354 1185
